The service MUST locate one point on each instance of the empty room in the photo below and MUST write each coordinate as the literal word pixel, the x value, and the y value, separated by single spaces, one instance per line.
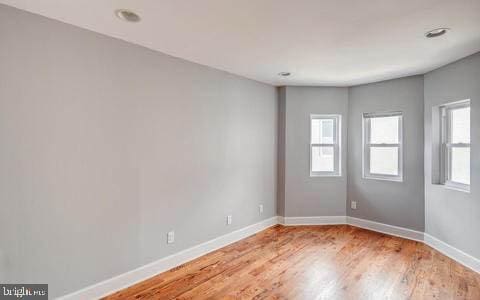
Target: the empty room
pixel 227 149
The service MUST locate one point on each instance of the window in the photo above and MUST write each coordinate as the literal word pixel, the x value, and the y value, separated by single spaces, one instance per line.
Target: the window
pixel 382 146
pixel 325 145
pixel 455 152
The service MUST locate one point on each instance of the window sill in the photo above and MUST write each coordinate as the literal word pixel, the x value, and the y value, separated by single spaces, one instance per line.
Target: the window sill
pixel 456 188
pixel 325 175
pixel 394 179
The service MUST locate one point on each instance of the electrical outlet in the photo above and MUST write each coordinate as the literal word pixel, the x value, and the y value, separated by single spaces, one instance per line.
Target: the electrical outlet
pixel 260 208
pixel 354 205
pixel 229 219
pixel 171 237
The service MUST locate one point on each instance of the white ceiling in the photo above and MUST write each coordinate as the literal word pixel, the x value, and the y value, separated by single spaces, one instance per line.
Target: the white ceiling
pixel 321 42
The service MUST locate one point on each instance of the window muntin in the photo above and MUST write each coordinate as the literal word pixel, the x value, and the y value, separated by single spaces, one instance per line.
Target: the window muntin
pixel 325 145
pixel 455 154
pixel 382 146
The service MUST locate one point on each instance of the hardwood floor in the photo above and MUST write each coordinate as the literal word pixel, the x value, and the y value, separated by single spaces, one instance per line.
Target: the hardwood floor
pixel 314 262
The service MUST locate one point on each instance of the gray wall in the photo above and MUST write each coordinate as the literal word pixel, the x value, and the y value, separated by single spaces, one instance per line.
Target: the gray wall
pixel 305 195
pixel 454 216
pixel 394 203
pixel 106 146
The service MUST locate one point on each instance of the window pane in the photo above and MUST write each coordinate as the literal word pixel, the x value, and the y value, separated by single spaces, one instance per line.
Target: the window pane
pixel 460 124
pixel 460 167
pixel 322 159
pixel 384 160
pixel 326 131
pixel 322 131
pixel 384 130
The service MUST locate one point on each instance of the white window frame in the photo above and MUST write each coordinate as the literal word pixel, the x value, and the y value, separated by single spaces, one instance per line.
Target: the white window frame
pixel 337 141
pixel 447 146
pixel 367 145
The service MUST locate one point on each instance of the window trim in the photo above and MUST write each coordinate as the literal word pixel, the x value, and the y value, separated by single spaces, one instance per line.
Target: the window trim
pixel 366 117
pixel 446 145
pixel 337 145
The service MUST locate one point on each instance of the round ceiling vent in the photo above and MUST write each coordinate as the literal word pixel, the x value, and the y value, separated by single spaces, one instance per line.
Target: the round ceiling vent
pixel 127 15
pixel 436 32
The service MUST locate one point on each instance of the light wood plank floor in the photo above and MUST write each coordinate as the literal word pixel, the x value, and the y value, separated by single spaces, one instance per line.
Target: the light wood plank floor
pixel 314 262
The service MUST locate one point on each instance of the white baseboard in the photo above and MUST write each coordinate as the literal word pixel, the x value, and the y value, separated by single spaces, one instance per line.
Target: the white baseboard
pixel 127 279
pixel 452 252
pixel 324 220
pixel 281 220
pixel 387 229
pixel 362 223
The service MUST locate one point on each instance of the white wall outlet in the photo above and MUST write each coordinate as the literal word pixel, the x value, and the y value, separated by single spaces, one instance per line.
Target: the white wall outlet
pixel 354 205
pixel 229 219
pixel 260 208
pixel 171 237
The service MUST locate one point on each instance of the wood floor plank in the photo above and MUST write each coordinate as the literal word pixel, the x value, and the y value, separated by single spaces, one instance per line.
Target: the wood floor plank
pixel 314 262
